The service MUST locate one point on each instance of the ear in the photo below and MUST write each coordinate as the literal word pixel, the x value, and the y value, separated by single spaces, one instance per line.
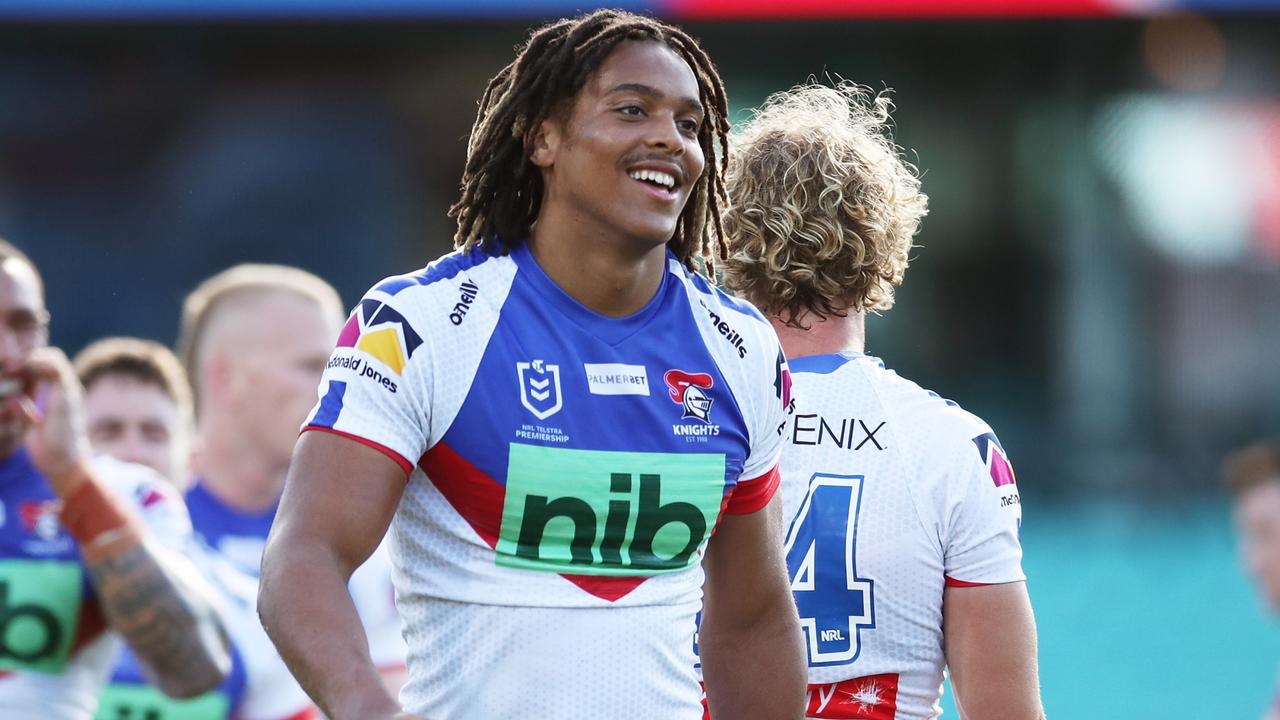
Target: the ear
pixel 544 142
pixel 218 378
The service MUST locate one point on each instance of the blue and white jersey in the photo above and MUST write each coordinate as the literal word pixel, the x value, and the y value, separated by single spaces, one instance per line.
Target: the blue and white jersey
pixel 891 494
pixel 238 538
pixel 566 471
pixel 55 647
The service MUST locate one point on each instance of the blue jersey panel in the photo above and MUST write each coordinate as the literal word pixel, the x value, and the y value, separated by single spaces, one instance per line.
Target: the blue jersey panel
pixel 556 374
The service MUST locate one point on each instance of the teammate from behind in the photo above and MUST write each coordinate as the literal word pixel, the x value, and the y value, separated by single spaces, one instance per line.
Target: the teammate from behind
pixel 254 340
pixel 83 543
pixel 904 517
pixel 1252 474
pixel 138 408
pixel 574 410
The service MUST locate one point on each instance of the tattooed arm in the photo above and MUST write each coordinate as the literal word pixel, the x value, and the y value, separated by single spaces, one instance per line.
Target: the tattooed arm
pixel 162 609
pixel 151 596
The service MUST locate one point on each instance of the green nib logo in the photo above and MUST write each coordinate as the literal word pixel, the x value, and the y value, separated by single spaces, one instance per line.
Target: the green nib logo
pixel 608 513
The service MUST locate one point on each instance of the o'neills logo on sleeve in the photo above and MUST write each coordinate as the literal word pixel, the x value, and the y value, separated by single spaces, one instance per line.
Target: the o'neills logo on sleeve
pixel 726 330
pixel 468 291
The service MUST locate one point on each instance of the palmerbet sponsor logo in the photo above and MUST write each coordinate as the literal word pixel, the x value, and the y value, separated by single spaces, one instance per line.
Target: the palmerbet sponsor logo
pixel 616 379
pixel 598 512
pixel 362 368
pixel 39 604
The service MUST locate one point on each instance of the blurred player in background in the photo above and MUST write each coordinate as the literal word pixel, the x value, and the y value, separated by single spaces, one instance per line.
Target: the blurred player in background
pixel 138 408
pixel 254 340
pixel 574 410
pixel 904 517
pixel 138 404
pixel 83 543
pixel 1252 474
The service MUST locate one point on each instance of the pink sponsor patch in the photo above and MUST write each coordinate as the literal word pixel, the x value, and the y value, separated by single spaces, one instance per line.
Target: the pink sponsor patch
pixel 350 332
pixel 1001 472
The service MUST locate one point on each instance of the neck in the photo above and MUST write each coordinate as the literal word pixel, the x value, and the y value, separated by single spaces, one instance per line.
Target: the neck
pixel 239 473
pixel 822 336
pixel 612 275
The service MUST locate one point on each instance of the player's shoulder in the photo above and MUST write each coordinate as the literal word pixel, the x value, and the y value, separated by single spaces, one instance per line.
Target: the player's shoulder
pixel 698 286
pixel 441 303
pixel 739 323
pixel 447 271
pixel 934 423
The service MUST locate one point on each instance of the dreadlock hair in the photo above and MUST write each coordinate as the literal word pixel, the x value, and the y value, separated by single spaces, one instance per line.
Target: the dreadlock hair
pixel 502 189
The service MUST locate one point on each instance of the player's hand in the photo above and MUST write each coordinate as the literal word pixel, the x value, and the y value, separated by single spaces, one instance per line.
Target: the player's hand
pixel 51 401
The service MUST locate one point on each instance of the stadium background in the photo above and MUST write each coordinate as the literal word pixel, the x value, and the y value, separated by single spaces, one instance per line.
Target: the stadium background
pixel 1099 274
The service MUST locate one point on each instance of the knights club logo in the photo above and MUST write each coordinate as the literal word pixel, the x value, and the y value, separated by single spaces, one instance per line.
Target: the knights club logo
pixel 690 391
pixel 540 388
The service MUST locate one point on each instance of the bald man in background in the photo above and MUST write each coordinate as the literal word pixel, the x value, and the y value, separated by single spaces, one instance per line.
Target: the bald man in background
pixel 254 341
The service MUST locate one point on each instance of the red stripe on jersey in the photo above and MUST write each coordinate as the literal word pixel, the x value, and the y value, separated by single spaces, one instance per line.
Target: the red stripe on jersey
pixel 751 495
pixel 952 582
pixel 479 499
pixel 605 588
pixel 474 495
pixel 874 697
pixel 308 713
pixel 397 457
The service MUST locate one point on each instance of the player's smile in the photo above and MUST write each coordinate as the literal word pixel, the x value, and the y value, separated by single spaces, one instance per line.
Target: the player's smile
pixel 628 155
pixel 662 179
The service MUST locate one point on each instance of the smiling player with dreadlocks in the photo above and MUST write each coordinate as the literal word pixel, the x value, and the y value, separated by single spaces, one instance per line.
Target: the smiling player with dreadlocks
pixel 558 416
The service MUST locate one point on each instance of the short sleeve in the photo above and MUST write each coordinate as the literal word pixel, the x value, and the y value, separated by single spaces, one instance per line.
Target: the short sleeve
pixel 760 478
pixel 374 388
pixel 983 545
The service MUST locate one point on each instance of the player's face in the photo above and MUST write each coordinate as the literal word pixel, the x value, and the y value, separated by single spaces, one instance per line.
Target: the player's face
pixel 23 328
pixel 1258 517
pixel 273 381
pixel 628 157
pixel 136 421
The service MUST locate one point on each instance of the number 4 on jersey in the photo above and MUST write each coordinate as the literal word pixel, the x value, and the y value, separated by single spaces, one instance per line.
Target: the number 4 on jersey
pixel 834 603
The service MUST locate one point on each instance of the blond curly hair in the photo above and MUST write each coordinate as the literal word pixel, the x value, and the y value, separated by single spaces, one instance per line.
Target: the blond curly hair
pixel 822 205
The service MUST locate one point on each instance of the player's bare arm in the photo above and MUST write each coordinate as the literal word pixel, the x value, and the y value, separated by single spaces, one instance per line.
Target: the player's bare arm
pixel 152 600
pixel 326 527
pixel 753 657
pixel 989 635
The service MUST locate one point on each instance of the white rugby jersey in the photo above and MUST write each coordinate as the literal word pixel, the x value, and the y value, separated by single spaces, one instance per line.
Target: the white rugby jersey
pixel 891 493
pixel 56 649
pixel 566 471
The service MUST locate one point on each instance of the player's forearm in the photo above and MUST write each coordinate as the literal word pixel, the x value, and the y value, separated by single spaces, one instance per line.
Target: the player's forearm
pixel 169 624
pixel 754 668
pixel 153 601
pixel 308 613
